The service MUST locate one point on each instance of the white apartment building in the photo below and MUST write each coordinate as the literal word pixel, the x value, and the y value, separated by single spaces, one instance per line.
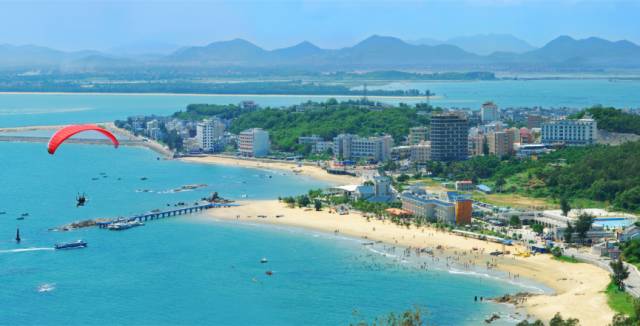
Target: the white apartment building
pixel 420 153
pixel 254 143
pixel 570 132
pixel 352 147
pixel 209 134
pixel 489 112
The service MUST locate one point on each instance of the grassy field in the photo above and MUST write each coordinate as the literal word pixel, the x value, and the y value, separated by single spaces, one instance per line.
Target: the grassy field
pixel 619 301
pixel 514 200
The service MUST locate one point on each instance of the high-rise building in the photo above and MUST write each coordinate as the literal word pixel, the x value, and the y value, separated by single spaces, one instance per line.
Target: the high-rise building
pixel 570 132
pixel 449 137
pixel 534 121
pixel 209 134
pixel 500 143
pixel 489 112
pixel 417 135
pixel 352 147
pixel 254 143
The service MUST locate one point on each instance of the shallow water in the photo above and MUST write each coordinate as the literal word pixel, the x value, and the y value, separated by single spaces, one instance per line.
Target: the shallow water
pixel 188 269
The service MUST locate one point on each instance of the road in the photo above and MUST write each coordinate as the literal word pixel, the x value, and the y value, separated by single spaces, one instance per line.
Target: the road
pixel 632 282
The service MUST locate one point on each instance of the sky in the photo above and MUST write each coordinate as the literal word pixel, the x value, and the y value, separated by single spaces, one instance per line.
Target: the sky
pixel 105 24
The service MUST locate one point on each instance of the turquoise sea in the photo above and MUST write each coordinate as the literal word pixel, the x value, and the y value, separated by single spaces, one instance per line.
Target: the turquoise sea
pixel 194 270
pixel 43 109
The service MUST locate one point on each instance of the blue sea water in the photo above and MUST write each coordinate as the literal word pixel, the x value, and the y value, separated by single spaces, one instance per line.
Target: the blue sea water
pixel 49 109
pixel 193 270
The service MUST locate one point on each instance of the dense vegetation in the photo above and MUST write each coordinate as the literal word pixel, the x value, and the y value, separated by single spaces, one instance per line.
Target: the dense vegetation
pixel 328 120
pixel 615 120
pixel 608 174
pixel 201 111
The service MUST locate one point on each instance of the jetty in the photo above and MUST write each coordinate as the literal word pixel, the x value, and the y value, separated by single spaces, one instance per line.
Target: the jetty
pixel 103 224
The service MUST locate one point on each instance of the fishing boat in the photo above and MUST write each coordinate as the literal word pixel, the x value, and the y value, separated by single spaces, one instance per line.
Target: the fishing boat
pixel 71 245
pixel 263 260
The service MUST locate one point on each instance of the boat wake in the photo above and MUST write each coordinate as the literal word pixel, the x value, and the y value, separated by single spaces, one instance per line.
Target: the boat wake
pixel 25 250
pixel 46 287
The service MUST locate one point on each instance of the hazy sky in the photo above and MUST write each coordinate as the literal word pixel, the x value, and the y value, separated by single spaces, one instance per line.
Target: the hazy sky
pixel 104 24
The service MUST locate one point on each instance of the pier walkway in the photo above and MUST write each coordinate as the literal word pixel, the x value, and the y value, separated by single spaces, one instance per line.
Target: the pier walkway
pixel 164 214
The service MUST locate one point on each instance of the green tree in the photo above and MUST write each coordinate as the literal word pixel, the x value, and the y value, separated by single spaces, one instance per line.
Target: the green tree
pixel 557 320
pixel 568 233
pixel 303 201
pixel 514 221
pixel 619 274
pixel 500 182
pixel 583 225
pixel 564 206
pixel 537 228
pixel 317 204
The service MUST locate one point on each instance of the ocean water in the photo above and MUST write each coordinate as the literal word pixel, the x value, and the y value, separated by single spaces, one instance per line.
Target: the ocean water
pixel 48 109
pixel 194 270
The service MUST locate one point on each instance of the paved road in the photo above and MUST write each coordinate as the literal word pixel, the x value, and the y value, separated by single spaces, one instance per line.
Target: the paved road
pixel 632 282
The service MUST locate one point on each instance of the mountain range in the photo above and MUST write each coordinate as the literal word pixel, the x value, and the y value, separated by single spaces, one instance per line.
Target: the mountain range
pixel 483 44
pixel 375 52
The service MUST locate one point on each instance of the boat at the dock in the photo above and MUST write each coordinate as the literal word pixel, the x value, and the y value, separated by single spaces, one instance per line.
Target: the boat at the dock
pixel 71 245
pixel 120 226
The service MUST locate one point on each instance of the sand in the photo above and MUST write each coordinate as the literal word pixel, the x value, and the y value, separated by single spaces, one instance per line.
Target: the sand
pixel 579 287
pixel 312 171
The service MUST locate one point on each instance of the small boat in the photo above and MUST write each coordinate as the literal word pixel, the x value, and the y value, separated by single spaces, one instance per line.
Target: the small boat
pixel 2 213
pixel 20 218
pixel 269 273
pixel 143 178
pixel 264 260
pixel 18 239
pixel 24 215
pixel 71 245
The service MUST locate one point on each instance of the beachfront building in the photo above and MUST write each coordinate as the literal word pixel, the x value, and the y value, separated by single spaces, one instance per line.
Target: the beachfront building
pixel 417 135
pixel 449 137
pixel 489 112
pixel 318 144
pixel 254 143
pixel 153 129
pixel 210 135
pixel 353 147
pixel 420 153
pixel 453 208
pixel 570 132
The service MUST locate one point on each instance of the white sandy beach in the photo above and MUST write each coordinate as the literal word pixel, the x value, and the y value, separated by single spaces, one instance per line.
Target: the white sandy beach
pixel 579 287
pixel 307 170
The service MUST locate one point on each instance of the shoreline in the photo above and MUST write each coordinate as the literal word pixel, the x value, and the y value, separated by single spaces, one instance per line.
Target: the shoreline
pixel 571 283
pixel 308 170
pixel 138 141
pixel 390 97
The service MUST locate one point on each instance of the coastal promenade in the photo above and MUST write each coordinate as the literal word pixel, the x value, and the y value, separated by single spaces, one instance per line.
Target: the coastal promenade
pixel 632 283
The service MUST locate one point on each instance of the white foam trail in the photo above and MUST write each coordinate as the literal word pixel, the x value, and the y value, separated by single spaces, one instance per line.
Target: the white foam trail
pixel 494 277
pixel 24 250
pixel 382 253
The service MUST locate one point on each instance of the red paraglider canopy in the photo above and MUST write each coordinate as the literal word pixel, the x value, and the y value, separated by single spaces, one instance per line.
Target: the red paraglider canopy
pixel 63 134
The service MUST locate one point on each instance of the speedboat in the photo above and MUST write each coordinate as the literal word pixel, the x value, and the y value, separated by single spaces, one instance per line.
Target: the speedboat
pixel 71 245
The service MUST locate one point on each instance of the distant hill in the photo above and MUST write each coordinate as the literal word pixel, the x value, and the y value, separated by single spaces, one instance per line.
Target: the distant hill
pixel 483 44
pixel 589 51
pixel 373 53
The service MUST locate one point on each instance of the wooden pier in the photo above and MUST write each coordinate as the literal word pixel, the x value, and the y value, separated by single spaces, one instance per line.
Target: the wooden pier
pixel 164 214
